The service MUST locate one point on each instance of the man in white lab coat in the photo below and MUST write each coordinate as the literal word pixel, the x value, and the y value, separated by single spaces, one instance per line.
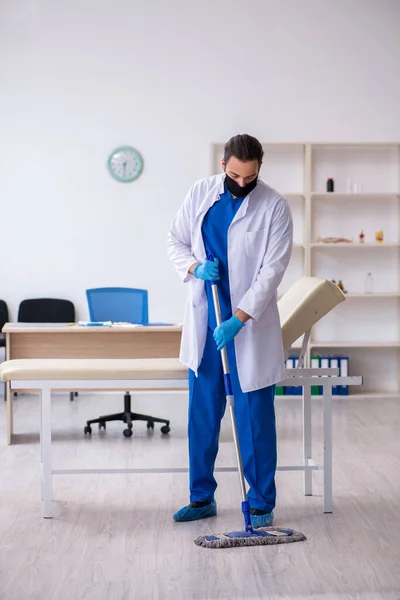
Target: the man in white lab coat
pixel 247 227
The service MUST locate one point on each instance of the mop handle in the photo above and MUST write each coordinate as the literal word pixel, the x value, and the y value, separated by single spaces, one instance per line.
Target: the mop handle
pixel 224 356
pixel 231 403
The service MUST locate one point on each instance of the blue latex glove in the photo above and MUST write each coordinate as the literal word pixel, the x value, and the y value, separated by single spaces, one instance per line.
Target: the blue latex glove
pixel 209 270
pixel 227 331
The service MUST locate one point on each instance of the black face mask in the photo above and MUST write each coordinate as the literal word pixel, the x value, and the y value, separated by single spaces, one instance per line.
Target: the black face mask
pixel 237 190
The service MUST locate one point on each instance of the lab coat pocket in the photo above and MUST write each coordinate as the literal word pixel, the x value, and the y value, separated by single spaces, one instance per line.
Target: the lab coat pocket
pixel 255 242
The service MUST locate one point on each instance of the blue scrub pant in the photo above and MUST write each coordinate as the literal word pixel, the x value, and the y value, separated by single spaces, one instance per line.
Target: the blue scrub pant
pixel 255 415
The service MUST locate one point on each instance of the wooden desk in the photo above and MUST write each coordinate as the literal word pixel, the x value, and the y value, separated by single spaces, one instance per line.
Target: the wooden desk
pixel 59 340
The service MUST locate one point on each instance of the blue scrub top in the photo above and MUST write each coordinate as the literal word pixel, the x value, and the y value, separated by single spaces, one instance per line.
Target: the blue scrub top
pixel 215 237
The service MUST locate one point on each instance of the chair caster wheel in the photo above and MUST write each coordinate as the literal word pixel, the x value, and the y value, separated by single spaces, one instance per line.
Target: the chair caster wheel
pixel 150 424
pixel 127 432
pixel 102 425
pixel 165 429
pixel 88 430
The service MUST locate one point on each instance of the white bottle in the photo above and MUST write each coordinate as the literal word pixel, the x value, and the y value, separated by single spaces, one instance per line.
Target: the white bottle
pixel 369 284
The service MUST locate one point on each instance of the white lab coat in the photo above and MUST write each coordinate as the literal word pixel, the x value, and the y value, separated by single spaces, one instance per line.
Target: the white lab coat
pixel 259 248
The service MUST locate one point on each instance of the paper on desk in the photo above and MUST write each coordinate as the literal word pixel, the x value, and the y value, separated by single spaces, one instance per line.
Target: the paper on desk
pixel 126 324
pixel 123 324
pixel 94 323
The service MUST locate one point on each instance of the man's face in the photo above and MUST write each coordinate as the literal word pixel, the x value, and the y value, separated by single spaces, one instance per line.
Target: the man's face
pixel 241 172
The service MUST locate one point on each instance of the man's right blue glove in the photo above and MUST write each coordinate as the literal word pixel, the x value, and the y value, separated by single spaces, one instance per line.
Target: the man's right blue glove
pixel 209 270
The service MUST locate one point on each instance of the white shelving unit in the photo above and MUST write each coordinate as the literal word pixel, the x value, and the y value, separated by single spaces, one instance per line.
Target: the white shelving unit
pixel 366 327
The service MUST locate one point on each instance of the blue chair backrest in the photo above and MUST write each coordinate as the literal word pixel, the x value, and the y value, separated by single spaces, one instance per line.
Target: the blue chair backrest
pixel 126 305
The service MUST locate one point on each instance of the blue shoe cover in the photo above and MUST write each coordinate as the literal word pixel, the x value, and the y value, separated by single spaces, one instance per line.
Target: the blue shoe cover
pixel 262 520
pixel 193 514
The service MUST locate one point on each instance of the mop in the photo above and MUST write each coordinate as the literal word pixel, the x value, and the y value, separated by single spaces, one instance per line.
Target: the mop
pixel 249 536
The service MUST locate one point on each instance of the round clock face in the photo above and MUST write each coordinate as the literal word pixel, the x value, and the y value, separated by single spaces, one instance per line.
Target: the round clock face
pixel 125 164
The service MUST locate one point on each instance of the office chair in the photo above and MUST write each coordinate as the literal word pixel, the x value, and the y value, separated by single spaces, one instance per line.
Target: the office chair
pixel 121 305
pixel 47 310
pixel 3 321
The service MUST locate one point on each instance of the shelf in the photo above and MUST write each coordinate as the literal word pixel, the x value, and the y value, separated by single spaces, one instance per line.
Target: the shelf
pixel 359 195
pixel 355 245
pixel 381 295
pixel 350 396
pixel 315 344
pixel 354 144
pixel 293 196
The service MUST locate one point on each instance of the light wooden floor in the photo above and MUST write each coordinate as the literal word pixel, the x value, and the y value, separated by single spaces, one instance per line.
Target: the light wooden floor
pixel 113 536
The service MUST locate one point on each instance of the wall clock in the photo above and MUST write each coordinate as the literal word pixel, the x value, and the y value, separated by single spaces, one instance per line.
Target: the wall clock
pixel 125 164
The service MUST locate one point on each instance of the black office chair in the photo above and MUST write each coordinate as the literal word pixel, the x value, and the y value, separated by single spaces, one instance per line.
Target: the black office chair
pixel 121 305
pixel 3 321
pixel 47 310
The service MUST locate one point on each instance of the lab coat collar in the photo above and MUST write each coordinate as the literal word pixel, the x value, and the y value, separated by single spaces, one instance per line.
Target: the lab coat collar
pixel 245 204
pixel 213 196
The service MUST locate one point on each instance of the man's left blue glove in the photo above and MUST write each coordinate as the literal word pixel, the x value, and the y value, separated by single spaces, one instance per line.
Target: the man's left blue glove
pixel 227 331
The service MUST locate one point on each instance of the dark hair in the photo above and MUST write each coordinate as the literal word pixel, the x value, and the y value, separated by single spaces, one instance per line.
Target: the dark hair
pixel 244 148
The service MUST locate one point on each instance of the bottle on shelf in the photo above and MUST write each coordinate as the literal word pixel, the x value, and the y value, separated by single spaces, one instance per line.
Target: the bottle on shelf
pixel 362 237
pixel 379 236
pixel 330 185
pixel 369 284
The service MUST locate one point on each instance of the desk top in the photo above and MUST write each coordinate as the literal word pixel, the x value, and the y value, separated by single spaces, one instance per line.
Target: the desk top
pixel 74 328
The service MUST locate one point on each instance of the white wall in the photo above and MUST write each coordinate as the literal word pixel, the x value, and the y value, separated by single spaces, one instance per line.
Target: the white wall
pixel 78 78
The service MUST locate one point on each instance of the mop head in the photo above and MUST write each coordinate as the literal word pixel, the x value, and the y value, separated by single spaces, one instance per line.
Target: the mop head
pixel 258 537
